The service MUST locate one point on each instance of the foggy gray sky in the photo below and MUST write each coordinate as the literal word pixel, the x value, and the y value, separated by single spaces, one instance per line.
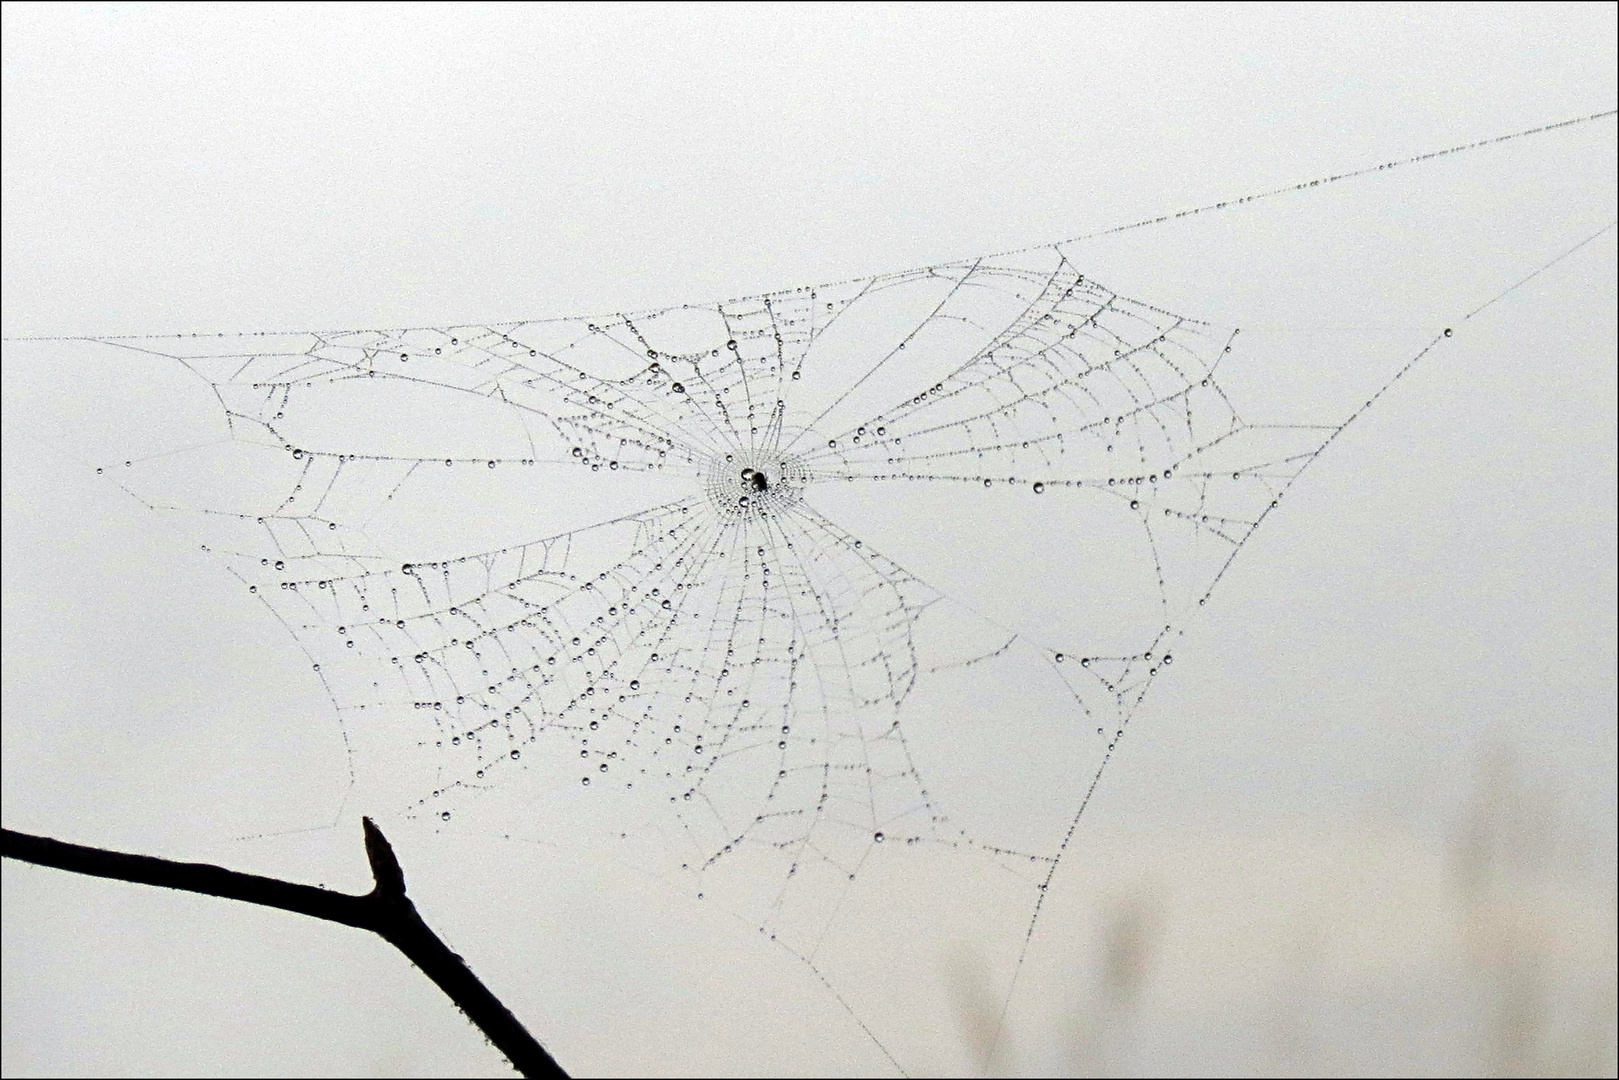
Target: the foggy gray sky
pixel 1442 581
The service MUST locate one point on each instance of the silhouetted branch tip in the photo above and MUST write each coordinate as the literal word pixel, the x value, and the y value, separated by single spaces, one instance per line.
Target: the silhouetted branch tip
pixel 385 869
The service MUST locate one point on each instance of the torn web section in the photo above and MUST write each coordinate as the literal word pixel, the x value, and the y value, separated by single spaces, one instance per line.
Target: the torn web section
pixel 1075 415
pixel 1112 414
pixel 366 417
pixel 583 405
pixel 451 455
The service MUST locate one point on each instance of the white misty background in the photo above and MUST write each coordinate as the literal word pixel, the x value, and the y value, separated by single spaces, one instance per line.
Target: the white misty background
pixel 1367 823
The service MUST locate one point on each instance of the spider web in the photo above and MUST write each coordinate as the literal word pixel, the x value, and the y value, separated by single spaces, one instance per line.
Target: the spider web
pixel 730 672
pixel 722 587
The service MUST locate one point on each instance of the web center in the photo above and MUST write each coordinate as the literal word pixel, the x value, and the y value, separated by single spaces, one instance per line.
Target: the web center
pixel 754 483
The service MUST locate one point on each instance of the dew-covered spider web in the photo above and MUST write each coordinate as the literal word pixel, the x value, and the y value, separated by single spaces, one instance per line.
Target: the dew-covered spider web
pixel 736 671
pixel 719 587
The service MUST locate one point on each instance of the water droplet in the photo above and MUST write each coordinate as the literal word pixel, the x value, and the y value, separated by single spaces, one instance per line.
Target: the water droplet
pixel 444 816
pixel 677 388
pixel 1039 487
pixel 877 837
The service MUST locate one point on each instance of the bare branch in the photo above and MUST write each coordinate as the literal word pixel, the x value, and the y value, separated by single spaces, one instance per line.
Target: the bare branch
pixel 385 911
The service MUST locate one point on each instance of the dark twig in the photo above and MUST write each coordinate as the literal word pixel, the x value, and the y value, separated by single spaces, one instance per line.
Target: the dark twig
pixel 385 911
